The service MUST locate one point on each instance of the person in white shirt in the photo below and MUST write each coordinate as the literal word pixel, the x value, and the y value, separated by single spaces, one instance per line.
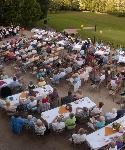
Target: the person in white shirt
pixel 58 125
pixel 97 110
pixel 79 137
pixel 39 127
pixel 111 115
pixel 33 103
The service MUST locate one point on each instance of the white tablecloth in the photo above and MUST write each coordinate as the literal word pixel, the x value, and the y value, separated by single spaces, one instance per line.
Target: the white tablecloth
pixel 41 92
pixel 98 139
pixel 99 52
pixel 7 81
pixel 49 115
pixel 77 47
pixel 62 42
pixel 121 59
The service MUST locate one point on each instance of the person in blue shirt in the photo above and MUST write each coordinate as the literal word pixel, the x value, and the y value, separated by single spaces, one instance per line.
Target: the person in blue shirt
pixel 17 124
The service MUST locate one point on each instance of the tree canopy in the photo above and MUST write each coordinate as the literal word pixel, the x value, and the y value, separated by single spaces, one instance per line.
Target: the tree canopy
pixel 24 12
pixel 110 6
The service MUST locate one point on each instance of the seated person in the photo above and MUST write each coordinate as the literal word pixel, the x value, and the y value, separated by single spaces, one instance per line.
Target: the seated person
pixel 41 73
pixel 97 124
pixel 32 104
pixel 68 99
pixel 57 124
pixel 55 79
pixel 112 84
pixel 20 108
pixel 119 142
pixel 17 124
pixel 97 110
pixel 112 146
pixel 68 70
pixel 39 127
pixel 120 113
pixel 82 112
pixel 111 115
pixel 43 106
pixel 14 83
pixel 9 107
pixel 30 121
pixel 79 137
pixel 31 86
pixel 44 99
pixel 41 82
pixel 70 123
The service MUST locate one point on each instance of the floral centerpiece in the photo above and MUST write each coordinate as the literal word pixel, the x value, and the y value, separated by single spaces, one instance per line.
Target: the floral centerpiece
pixel 116 126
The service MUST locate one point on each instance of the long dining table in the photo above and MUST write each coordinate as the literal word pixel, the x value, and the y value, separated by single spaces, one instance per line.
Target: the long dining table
pixel 50 115
pixel 40 92
pixel 104 136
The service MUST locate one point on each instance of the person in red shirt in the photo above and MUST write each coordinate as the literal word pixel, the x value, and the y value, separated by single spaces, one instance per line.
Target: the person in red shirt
pixel 44 99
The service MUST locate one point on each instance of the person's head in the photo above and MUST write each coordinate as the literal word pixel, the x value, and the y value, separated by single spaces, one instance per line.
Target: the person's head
pixel 101 104
pixel 71 115
pixel 112 144
pixel 14 78
pixel 29 117
pixel 39 122
pixel 81 131
pixel 31 83
pixel 114 110
pixel 69 93
pixel 102 118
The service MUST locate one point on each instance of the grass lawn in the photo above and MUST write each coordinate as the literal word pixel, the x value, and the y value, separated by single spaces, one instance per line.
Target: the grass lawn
pixel 112 28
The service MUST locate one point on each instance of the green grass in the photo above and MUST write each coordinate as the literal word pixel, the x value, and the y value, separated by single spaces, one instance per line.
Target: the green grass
pixel 112 27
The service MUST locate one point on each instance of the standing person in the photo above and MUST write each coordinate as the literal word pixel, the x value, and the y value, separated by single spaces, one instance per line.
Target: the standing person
pixel 31 86
pixel 54 98
pixel 76 82
pixel 17 124
pixel 67 99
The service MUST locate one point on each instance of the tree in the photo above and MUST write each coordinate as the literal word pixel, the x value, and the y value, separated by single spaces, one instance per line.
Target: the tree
pixel 24 12
pixel 30 12
pixel 44 5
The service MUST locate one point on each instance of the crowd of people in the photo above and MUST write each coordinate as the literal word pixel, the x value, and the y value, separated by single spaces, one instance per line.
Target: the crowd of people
pixel 54 57
pixel 7 32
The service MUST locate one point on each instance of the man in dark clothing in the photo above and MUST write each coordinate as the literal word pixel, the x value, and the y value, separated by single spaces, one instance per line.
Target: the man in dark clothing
pixel 67 99
pixel 120 113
